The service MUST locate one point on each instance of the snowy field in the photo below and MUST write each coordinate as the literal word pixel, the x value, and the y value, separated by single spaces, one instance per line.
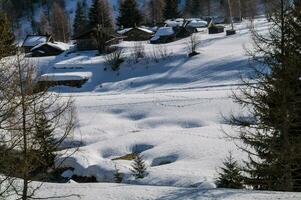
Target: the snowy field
pixel 170 111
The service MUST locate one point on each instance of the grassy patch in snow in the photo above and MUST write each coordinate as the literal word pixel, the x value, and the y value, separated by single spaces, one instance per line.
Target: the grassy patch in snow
pixel 130 156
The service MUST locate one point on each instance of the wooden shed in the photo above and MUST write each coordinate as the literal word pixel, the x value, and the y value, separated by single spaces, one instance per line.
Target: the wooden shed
pixel 136 34
pixel 163 35
pixel 89 40
pixel 48 49
pixel 34 40
pixel 214 29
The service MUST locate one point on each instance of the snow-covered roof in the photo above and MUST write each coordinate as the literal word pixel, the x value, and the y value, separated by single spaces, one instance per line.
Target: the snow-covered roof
pixel 34 40
pixel 163 31
pixel 129 29
pixel 68 76
pixel 173 23
pixel 57 45
pixel 197 23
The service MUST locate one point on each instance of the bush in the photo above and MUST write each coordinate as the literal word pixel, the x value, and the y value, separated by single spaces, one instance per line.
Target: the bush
pixel 114 59
pixel 192 45
pixel 159 52
pixel 138 52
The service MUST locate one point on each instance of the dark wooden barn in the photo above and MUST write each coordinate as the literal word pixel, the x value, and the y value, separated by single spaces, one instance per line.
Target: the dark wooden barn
pixel 163 35
pixel 94 39
pixel 136 34
pixel 214 29
pixel 47 49
pixel 34 40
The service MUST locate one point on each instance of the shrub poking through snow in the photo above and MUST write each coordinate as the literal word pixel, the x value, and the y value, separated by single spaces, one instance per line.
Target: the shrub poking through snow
pixel 114 59
pixel 139 167
pixel 138 52
pixel 192 45
pixel 118 177
pixel 230 174
pixel 159 52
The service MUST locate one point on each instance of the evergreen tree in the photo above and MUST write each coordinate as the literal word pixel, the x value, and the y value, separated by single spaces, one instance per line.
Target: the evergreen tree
pixel 80 21
pixel 274 134
pixel 100 14
pixel 7 38
pixel 138 167
pixel 196 7
pixel 117 175
pixel 171 10
pixel 129 14
pixel 187 8
pixel 230 175
pixel 45 141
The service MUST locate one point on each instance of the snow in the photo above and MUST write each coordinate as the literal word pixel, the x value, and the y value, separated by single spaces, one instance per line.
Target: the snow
pixel 170 110
pixel 129 29
pixel 57 45
pixel 105 191
pixel 163 31
pixel 197 23
pixel 34 40
pixel 66 76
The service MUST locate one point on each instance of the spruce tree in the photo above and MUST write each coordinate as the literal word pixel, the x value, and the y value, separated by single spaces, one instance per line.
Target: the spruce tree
pixel 171 10
pixel 100 14
pixel 273 135
pixel 138 167
pixel 230 174
pixel 195 10
pixel 129 14
pixel 7 38
pixel 45 141
pixel 187 8
pixel 80 21
pixel 117 175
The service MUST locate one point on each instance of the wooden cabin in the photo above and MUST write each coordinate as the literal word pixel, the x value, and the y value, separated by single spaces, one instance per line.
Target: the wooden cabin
pixel 164 35
pixel 48 49
pixel 136 34
pixel 214 29
pixel 33 40
pixel 87 41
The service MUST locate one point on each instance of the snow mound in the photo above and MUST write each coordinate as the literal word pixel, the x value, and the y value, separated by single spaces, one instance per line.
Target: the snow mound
pixel 71 76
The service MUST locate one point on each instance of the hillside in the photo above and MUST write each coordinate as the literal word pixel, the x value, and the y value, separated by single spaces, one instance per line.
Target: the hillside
pixel 171 111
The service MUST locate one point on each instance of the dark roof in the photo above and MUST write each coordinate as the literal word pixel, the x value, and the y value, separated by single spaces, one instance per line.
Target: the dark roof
pixel 92 33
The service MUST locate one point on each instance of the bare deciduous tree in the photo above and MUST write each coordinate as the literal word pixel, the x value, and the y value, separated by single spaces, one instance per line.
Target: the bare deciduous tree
pixel 22 106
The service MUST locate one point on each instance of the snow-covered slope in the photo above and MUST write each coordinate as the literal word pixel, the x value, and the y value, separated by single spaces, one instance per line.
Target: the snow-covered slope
pixel 170 111
pixel 132 192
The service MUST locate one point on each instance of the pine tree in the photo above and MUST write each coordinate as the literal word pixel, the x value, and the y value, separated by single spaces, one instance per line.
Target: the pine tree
pixel 7 38
pixel 187 8
pixel 138 167
pixel 129 14
pixel 273 136
pixel 196 7
pixel 230 175
pixel 80 21
pixel 155 11
pixel 171 10
pixel 100 14
pixel 117 175
pixel 45 141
